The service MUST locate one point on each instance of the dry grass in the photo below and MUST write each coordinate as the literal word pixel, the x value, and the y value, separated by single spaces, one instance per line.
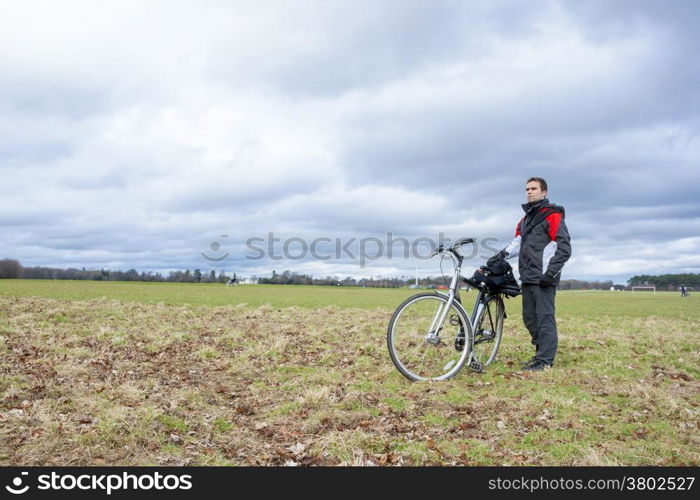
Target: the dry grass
pixel 103 382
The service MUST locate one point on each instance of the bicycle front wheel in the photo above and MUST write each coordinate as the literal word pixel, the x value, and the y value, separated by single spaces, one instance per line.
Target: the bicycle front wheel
pixel 488 330
pixel 427 340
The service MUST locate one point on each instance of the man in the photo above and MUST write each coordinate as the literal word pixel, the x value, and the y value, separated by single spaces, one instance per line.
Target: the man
pixel 543 245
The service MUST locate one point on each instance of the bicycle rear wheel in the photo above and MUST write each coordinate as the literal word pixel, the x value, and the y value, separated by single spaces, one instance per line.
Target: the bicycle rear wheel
pixel 428 341
pixel 488 330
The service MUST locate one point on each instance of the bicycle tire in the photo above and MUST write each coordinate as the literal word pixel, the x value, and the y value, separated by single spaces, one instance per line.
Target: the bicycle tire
pixel 420 348
pixel 488 330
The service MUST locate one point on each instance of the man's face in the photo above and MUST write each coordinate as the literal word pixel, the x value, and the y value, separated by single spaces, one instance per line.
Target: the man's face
pixel 534 192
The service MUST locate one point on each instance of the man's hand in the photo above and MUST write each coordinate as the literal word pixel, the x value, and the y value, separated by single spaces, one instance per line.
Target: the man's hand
pixel 500 255
pixel 547 280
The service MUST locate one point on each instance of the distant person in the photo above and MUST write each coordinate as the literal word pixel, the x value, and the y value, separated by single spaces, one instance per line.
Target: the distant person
pixel 543 245
pixel 684 291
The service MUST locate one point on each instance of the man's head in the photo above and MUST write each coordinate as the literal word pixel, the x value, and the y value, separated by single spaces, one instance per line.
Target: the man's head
pixel 536 189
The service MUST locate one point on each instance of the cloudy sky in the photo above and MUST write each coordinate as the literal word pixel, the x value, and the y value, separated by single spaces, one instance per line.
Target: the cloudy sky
pixel 146 134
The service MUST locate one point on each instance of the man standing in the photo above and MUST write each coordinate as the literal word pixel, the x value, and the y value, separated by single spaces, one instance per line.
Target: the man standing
pixel 543 245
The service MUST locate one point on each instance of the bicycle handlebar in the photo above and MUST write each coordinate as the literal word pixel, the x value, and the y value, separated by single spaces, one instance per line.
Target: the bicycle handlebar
pixel 463 241
pixel 454 247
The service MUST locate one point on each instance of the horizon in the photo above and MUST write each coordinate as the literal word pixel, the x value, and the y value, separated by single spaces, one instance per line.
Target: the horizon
pixel 405 277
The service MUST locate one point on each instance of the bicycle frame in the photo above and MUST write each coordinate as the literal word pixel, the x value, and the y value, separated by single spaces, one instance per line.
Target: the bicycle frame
pixel 453 295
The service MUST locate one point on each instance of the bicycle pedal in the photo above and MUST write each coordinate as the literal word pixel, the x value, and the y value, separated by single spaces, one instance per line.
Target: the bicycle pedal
pixel 476 366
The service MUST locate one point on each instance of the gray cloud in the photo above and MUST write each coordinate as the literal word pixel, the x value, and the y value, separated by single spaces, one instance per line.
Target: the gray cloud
pixel 126 143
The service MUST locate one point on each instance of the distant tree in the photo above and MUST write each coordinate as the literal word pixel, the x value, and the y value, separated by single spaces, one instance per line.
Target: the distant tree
pixel 197 276
pixel 584 285
pixel 666 281
pixel 274 279
pixel 10 269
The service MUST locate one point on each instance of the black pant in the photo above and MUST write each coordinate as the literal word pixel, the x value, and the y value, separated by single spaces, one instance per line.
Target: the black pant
pixel 538 316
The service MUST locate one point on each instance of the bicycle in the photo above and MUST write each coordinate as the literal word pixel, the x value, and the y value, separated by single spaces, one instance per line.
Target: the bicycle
pixel 431 336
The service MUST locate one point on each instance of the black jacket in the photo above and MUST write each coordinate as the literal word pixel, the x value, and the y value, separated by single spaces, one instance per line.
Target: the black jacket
pixel 542 243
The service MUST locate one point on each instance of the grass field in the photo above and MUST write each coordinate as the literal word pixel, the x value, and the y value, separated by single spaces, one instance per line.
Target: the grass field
pixel 102 373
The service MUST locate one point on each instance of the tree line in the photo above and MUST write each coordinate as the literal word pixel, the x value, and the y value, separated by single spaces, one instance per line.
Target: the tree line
pixel 292 278
pixel 11 268
pixel 669 281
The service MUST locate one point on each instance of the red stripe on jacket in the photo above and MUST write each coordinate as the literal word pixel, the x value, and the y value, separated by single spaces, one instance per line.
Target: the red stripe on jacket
pixel 554 220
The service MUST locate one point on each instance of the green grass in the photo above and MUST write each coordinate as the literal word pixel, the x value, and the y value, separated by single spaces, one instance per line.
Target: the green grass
pixel 172 423
pixel 169 374
pixel 585 305
pixel 207 294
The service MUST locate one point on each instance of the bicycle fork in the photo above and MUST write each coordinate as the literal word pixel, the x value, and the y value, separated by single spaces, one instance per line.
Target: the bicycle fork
pixel 433 335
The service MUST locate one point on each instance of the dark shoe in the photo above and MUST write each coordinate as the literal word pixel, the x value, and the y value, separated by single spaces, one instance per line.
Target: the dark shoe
pixel 530 361
pixel 537 366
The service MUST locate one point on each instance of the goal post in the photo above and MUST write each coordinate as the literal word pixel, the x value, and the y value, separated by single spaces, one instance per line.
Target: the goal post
pixel 644 288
